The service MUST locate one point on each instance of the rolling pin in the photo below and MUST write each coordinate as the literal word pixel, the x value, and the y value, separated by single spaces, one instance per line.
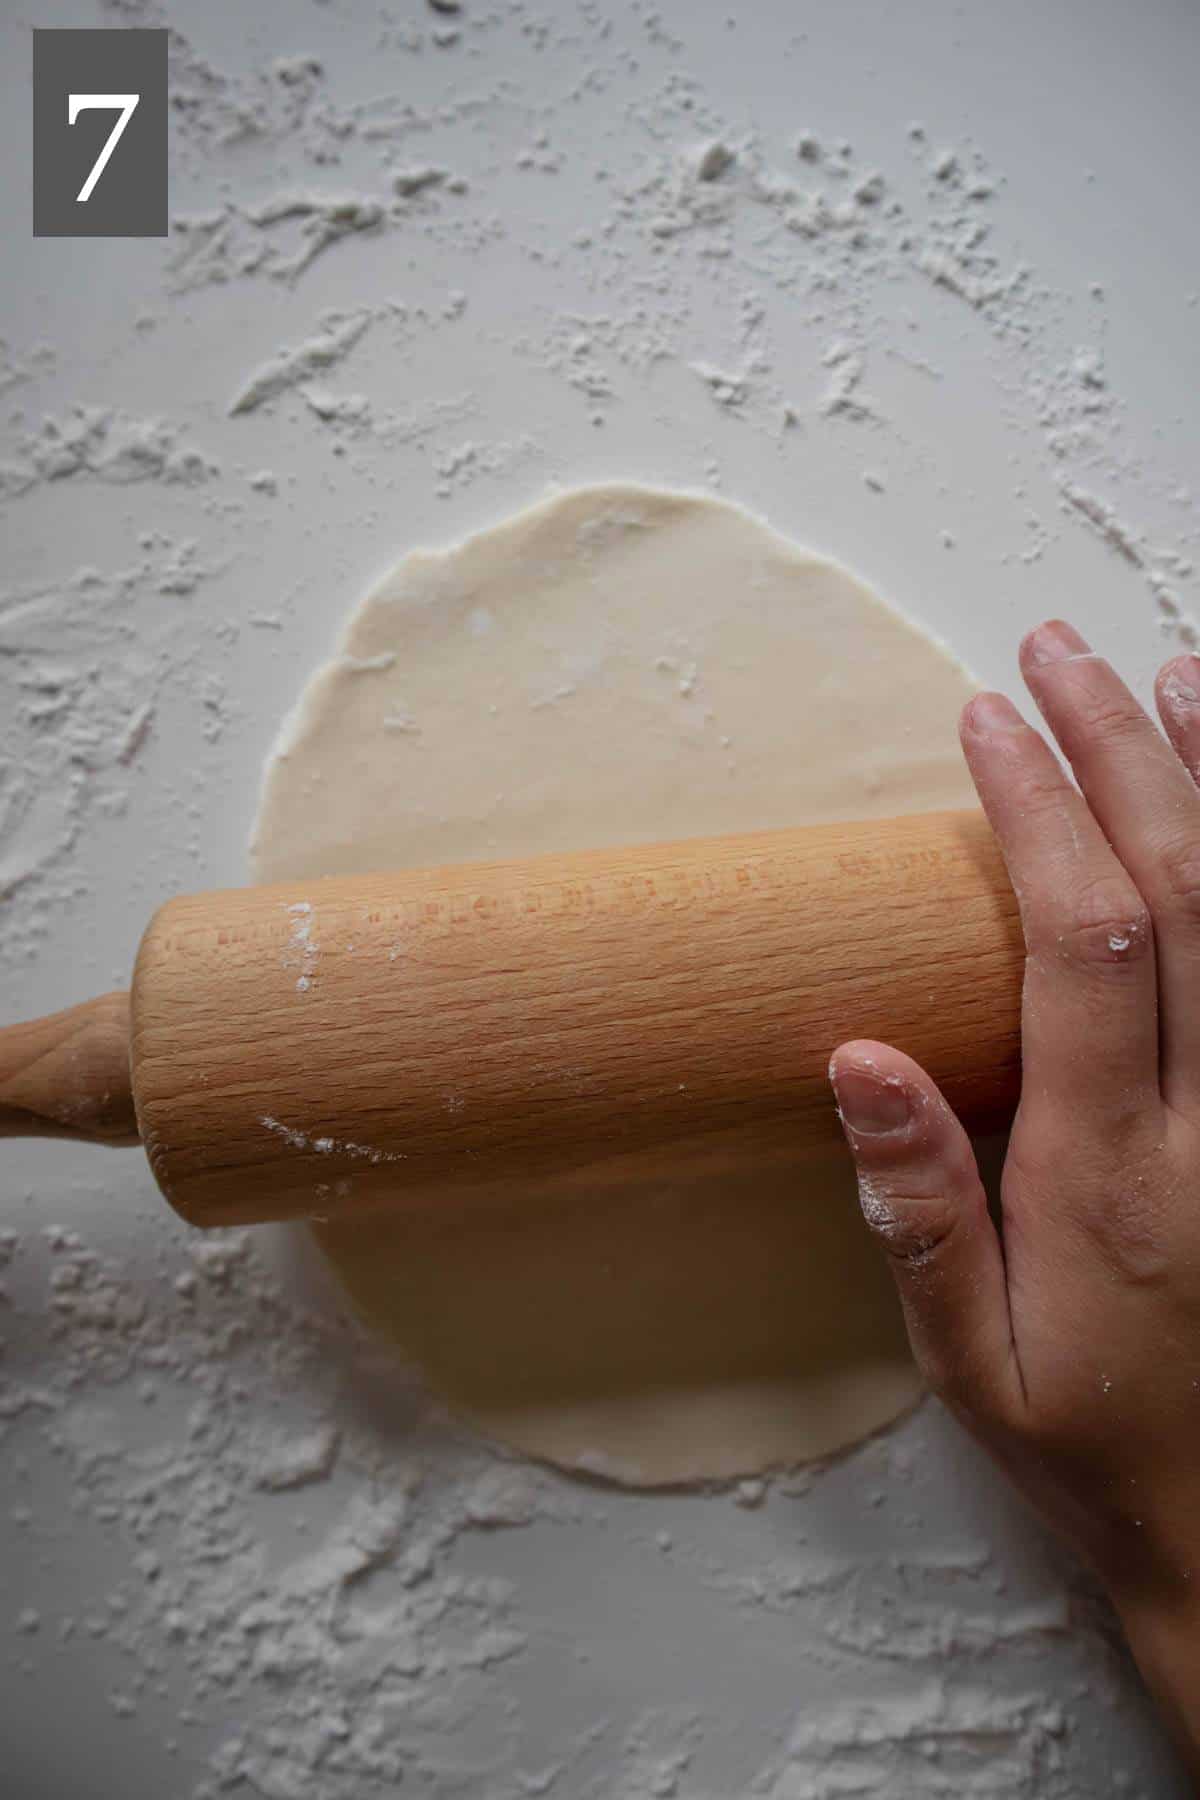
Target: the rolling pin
pixel 336 1046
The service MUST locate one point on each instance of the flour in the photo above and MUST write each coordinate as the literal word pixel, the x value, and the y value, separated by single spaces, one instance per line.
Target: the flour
pixel 1162 571
pixel 327 346
pixel 372 1601
pixel 108 445
pixel 381 1633
pixel 727 387
pixel 323 1145
pixel 929 1745
pixel 460 465
pixel 83 692
pixel 1182 697
pixel 282 237
pixel 842 398
pixel 323 220
pixel 341 409
pixel 1103 519
pixel 293 1462
pixel 877 1208
pixel 713 160
pixel 417 179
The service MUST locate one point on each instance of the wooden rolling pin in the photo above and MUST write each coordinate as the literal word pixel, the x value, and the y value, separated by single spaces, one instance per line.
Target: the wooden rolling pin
pixel 336 1046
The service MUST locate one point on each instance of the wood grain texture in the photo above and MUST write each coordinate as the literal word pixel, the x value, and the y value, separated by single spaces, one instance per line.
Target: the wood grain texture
pixel 67 1076
pixel 448 1036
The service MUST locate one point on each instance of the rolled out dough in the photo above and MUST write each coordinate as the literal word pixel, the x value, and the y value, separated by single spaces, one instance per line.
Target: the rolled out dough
pixel 619 665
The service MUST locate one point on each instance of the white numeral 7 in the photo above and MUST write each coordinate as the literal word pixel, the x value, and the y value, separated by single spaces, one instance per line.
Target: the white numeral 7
pixel 125 104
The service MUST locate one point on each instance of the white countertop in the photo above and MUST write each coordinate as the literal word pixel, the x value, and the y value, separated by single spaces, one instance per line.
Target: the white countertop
pixel 237 1553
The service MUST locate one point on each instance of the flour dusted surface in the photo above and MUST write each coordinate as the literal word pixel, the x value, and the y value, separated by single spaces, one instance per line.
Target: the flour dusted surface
pixel 1018 309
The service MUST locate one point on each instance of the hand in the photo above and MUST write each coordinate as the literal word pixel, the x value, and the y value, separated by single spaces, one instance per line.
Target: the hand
pixel 1066 1337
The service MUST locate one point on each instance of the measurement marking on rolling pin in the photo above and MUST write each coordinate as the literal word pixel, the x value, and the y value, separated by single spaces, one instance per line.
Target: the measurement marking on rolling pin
pixel 301 950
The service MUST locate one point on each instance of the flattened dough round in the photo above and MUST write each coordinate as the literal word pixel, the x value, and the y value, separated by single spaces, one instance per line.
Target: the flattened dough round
pixel 617 665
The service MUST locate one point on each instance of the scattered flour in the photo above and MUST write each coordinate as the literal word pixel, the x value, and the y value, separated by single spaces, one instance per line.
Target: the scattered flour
pixel 108 445
pixel 293 1462
pixel 328 1146
pixel 329 345
pixel 320 1599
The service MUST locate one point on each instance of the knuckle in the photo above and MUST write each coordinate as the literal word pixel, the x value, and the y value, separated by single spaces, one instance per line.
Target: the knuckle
pixel 1112 1197
pixel 1043 796
pixel 1131 1232
pixel 1106 924
pixel 911 1227
pixel 1108 717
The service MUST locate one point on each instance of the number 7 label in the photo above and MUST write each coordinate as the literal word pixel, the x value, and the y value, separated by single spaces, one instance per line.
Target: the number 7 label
pixel 125 105
pixel 100 137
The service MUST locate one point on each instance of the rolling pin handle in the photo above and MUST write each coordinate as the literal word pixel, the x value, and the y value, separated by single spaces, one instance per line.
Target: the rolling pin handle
pixel 67 1076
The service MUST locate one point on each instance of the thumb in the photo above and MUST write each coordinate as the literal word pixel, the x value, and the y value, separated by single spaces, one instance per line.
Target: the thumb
pixel 920 1193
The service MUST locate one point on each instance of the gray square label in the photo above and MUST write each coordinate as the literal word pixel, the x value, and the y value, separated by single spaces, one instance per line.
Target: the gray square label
pixel 100 133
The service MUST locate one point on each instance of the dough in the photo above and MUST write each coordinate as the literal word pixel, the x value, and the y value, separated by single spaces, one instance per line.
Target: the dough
pixel 619 665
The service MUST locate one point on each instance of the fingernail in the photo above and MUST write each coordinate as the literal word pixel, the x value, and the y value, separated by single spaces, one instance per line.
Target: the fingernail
pixel 1056 641
pixel 993 712
pixel 870 1104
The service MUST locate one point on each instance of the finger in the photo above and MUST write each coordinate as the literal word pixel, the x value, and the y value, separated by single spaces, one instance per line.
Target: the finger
pixel 1149 809
pixel 1177 692
pixel 1089 1029
pixel 921 1195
